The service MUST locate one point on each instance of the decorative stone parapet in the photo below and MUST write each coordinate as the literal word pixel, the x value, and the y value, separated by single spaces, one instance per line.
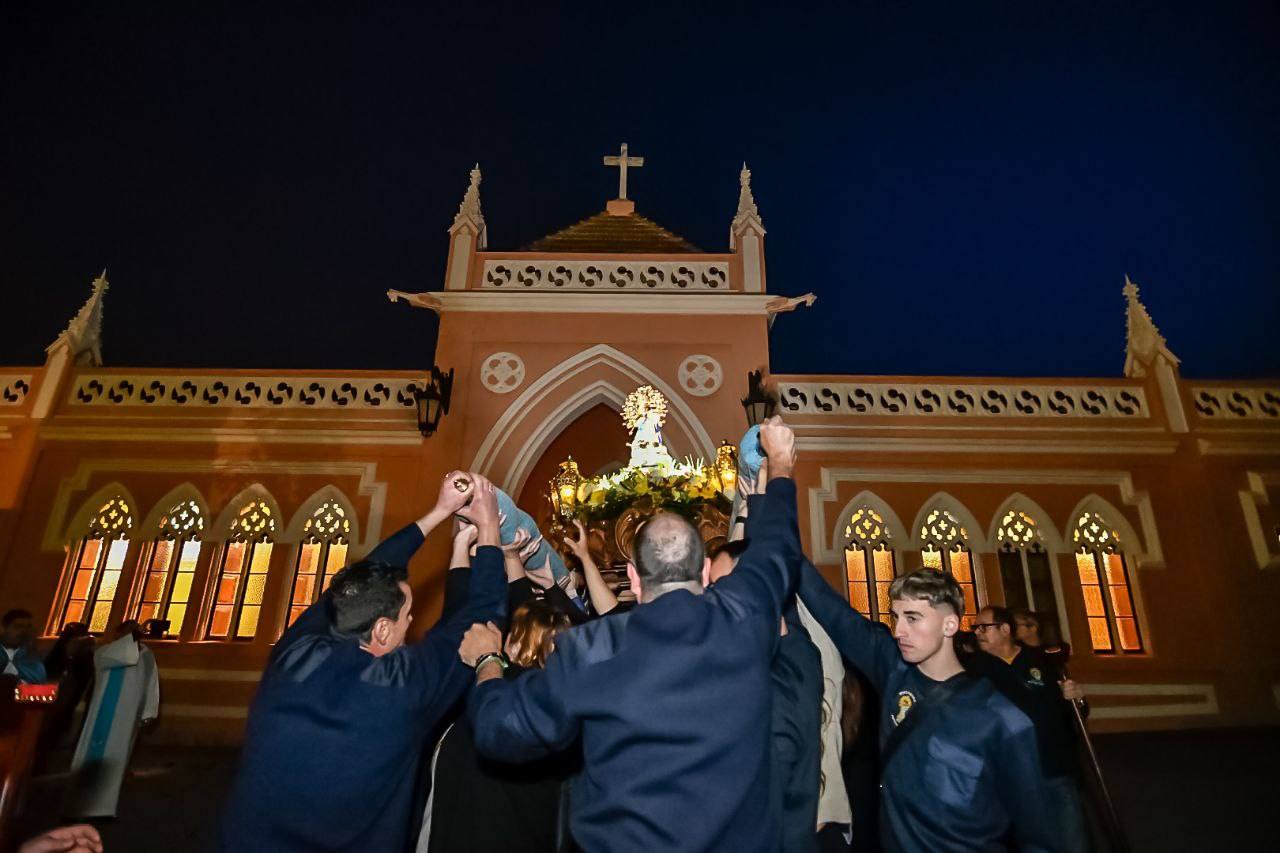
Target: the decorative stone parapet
pixel 14 389
pixel 1226 403
pixel 253 392
pixel 522 274
pixel 937 399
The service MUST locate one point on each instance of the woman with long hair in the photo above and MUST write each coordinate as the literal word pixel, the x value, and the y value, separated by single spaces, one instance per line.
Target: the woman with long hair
pixel 480 804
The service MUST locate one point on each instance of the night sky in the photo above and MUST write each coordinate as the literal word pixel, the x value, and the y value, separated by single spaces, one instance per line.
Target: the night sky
pixel 963 184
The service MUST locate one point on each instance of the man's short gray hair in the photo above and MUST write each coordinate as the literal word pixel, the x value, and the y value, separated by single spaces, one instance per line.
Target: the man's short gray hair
pixel 668 550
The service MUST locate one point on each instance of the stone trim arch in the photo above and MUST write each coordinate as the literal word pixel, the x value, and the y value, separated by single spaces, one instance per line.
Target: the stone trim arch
pixel 556 382
pixel 1052 539
pixel 293 532
pixel 1130 542
pixel 220 530
pixel 977 537
pixel 901 535
pixel 150 527
pixel 79 524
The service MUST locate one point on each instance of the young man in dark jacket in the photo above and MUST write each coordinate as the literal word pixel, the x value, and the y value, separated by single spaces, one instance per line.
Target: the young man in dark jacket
pixel 338 724
pixel 965 774
pixel 672 700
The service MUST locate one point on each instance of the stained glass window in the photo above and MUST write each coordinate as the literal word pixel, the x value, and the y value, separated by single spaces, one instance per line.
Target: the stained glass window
pixel 946 548
pixel 97 561
pixel 1025 571
pixel 1104 583
pixel 323 552
pixel 171 567
pixel 868 562
pixel 242 576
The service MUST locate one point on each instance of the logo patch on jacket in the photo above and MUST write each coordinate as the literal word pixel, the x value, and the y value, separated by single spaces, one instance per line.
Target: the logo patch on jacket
pixel 905 700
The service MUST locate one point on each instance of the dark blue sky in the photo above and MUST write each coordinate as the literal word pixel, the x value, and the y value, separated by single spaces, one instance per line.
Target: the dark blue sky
pixel 964 185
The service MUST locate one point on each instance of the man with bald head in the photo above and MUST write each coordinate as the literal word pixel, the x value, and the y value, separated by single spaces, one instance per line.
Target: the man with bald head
pixel 671 700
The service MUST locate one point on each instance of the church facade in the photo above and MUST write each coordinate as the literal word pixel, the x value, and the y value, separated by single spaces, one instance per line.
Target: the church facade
pixel 1139 513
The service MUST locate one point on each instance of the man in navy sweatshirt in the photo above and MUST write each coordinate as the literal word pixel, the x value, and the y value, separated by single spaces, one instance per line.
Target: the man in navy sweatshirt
pixel 671 700
pixel 964 773
pixel 337 727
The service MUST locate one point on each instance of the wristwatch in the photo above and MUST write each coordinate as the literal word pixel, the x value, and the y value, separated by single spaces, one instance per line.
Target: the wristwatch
pixel 497 657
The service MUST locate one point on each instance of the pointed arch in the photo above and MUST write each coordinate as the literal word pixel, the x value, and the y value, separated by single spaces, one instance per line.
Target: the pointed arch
pixel 1049 534
pixel 900 535
pixel 150 527
pixel 97 544
pixel 1130 541
pixel 221 529
pixel 975 537
pixel 554 384
pixel 1029 570
pixel 165 580
pixel 869 535
pixel 83 519
pixel 293 532
pixel 1107 559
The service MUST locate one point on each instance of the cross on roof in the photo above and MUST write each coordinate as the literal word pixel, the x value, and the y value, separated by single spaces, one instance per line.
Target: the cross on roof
pixel 622 161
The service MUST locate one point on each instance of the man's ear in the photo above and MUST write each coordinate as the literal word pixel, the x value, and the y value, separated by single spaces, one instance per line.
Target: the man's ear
pixel 950 625
pixel 706 572
pixel 380 633
pixel 634 577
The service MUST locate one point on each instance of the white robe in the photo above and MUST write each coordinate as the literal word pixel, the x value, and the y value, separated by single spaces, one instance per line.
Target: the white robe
pixel 126 692
pixel 833 800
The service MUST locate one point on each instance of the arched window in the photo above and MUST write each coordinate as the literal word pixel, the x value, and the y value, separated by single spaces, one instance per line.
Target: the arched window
pixel 242 576
pixel 171 566
pixel 322 554
pixel 868 563
pixel 1025 569
pixel 946 548
pixel 97 561
pixel 1104 580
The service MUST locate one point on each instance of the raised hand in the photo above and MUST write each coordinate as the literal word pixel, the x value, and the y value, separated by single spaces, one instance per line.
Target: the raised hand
pixel 579 546
pixel 482 511
pixel 517 543
pixel 479 640
pixel 450 499
pixel 779 444
pixel 542 578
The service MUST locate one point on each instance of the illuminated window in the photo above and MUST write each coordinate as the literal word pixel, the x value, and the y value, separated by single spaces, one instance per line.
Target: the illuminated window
pixel 322 554
pixel 171 566
pixel 946 548
pixel 1025 571
pixel 97 561
pixel 1104 580
pixel 242 577
pixel 868 563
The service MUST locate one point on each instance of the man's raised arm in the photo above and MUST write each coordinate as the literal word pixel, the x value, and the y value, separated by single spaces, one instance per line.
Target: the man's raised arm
pixel 766 572
pixel 396 550
pixel 860 641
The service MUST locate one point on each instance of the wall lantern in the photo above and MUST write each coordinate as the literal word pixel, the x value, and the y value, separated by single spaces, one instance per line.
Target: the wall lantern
pixel 432 399
pixel 759 404
pixel 727 467
pixel 564 488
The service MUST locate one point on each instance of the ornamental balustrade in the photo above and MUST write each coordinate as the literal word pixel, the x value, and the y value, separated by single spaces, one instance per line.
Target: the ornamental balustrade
pixel 936 399
pixel 515 274
pixel 14 389
pixel 243 391
pixel 1226 403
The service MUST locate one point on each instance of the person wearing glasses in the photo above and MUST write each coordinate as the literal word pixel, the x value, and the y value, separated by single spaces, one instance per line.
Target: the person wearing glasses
pixel 1033 681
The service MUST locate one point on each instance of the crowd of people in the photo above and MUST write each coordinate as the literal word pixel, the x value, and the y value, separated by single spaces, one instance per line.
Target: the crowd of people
pixel 722 701
pixel 115 680
pixel 731 701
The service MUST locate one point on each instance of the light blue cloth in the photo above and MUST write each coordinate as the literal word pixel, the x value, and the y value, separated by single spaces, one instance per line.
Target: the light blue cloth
pixel 750 454
pixel 518 519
